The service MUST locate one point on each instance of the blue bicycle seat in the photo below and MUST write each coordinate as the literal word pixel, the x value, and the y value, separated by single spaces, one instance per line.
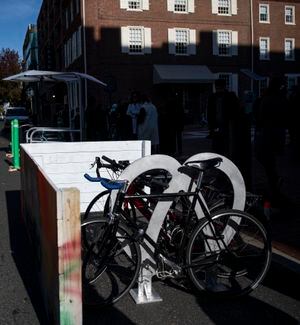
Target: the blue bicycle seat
pixel 105 182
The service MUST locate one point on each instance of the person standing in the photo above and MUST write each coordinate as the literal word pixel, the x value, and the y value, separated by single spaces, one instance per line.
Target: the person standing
pixel 133 111
pixel 270 133
pixel 147 124
pixel 222 111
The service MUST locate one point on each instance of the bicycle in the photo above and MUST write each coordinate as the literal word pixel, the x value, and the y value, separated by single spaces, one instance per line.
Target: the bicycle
pixel 227 253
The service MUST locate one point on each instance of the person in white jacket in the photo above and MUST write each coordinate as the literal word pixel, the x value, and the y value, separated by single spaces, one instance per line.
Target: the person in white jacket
pixel 148 123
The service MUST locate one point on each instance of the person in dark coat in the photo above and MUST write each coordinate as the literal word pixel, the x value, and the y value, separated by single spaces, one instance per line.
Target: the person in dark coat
pixel 222 111
pixel 270 133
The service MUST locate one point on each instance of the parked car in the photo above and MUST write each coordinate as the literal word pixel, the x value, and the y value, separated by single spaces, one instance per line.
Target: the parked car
pixel 18 113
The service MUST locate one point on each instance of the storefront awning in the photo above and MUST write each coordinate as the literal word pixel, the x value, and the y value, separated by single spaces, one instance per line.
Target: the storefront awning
pixel 252 75
pixel 182 74
pixel 51 76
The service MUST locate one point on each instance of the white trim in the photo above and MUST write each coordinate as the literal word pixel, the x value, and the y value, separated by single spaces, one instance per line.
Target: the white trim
pixel 268 48
pixel 191 6
pixel 124 4
pixel 145 4
pixel 147 40
pixel 294 13
pixel 268 13
pixel 170 5
pixel 215 42
pixel 234 43
pixel 293 49
pixel 124 39
pixel 171 40
pixel 192 42
pixel 234 8
pixel 214 7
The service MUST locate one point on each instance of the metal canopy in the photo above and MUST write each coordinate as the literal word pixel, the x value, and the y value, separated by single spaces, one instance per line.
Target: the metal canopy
pixel 252 75
pixel 51 76
pixel 182 74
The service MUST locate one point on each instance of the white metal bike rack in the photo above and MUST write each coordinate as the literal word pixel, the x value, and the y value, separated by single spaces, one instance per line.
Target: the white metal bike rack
pixel 144 292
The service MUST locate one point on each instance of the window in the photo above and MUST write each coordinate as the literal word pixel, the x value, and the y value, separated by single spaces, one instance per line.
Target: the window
pixel 289 49
pixel 264 13
pixel 263 85
pixel 224 7
pixel 225 42
pixel 181 6
pixel 182 41
pixel 134 4
pixel 289 15
pixel 72 47
pixel 136 40
pixel 137 5
pixel 264 48
pixel 231 80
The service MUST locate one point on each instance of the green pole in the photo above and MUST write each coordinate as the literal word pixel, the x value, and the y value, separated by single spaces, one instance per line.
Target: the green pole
pixel 16 145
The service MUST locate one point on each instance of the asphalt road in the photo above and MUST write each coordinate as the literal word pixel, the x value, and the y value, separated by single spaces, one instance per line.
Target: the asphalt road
pixel 276 301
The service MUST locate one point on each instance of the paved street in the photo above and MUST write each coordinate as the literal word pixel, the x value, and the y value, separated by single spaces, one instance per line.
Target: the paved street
pixel 277 301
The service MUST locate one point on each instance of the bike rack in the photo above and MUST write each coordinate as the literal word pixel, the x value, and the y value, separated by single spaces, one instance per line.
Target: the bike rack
pixel 144 293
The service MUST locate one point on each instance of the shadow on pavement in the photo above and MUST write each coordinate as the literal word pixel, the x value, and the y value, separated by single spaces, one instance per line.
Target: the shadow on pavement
pixel 22 252
pixel 245 310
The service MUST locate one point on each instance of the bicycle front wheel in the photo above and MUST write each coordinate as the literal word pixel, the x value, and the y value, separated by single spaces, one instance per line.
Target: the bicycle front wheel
pixel 229 255
pixel 108 274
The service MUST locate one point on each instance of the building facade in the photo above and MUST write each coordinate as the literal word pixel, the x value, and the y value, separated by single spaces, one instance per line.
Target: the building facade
pixel 172 47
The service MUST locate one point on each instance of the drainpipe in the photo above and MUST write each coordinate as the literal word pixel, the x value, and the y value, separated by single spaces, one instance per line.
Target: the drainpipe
pixel 252 41
pixel 82 113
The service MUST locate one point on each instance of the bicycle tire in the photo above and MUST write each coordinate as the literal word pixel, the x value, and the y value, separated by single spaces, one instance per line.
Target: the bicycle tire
pixel 98 208
pixel 107 280
pixel 233 270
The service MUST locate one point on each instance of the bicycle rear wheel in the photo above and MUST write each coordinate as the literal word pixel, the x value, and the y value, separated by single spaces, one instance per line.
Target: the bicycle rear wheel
pixel 108 271
pixel 229 255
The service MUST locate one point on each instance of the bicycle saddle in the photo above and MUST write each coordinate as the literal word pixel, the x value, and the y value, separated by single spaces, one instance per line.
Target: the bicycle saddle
pixel 105 182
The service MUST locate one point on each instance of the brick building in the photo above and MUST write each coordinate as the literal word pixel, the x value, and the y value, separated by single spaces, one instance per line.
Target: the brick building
pixel 164 47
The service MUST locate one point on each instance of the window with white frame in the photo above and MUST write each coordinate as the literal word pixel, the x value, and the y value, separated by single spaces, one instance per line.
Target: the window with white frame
pixel 231 81
pixel 137 5
pixel 182 41
pixel 225 42
pixel 224 7
pixel 289 14
pixel 264 48
pixel 181 6
pixel 227 78
pixel 134 4
pixel 292 80
pixel 264 16
pixel 136 39
pixel 289 49
pixel 263 85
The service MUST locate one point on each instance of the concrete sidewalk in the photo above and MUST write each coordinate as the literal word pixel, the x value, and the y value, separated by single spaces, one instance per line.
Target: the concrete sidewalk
pixel 284 221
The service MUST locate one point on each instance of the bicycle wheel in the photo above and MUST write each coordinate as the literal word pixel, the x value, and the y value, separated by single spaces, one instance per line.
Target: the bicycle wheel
pixel 229 255
pixel 110 270
pixel 98 207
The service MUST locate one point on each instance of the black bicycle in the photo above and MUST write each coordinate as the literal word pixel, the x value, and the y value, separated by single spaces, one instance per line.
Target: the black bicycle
pixel 227 253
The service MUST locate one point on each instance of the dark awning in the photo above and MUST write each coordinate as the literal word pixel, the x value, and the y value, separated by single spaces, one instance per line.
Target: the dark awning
pixel 182 74
pixel 252 75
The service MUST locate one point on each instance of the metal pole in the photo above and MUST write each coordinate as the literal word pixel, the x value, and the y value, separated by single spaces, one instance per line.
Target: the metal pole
pixel 16 145
pixel 12 138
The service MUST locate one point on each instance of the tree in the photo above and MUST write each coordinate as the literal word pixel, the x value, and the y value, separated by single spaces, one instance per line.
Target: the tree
pixel 9 65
